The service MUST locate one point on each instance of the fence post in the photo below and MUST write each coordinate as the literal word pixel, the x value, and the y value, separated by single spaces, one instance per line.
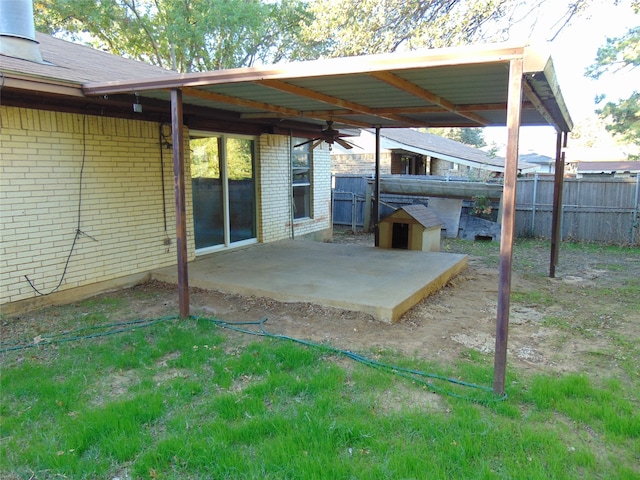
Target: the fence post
pixel 353 212
pixel 635 212
pixel 533 208
pixel 367 208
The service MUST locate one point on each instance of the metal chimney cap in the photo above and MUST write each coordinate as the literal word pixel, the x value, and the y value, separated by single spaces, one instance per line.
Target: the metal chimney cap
pixel 18 31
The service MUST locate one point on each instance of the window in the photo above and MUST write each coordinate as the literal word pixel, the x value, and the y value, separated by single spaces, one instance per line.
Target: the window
pixel 301 178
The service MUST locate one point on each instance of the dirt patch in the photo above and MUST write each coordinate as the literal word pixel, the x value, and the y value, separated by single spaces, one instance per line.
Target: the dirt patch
pixel 565 328
pixel 403 398
pixel 113 385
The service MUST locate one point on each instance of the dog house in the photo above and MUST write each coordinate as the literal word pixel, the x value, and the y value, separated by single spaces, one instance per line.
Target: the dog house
pixel 412 227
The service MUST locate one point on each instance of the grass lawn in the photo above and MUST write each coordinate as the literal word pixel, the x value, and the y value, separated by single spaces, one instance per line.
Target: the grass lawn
pixel 176 399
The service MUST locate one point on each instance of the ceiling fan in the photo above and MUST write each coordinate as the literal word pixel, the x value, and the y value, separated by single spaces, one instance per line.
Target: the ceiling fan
pixel 329 135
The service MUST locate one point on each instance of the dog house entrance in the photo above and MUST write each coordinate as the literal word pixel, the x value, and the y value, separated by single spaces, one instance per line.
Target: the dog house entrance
pixel 400 236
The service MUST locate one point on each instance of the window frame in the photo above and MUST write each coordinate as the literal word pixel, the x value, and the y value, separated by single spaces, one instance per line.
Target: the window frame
pixel 299 151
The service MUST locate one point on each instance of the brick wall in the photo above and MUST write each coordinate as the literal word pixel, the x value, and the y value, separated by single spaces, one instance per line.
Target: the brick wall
pixel 122 219
pixel 274 178
pixel 320 224
pixel 444 168
pixel 274 191
pixel 119 201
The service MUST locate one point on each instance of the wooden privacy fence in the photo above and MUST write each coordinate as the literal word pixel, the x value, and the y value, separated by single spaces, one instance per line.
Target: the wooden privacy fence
pixel 603 210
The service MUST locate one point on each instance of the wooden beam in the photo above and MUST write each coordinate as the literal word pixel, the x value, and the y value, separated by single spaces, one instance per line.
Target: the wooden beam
pixel 514 106
pixel 329 113
pixel 539 106
pixel 329 99
pixel 269 110
pixel 324 114
pixel 177 133
pixel 556 216
pixel 420 92
pixel 241 102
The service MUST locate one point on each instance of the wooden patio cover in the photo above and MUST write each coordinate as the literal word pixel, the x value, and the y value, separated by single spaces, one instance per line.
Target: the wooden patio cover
pixel 495 85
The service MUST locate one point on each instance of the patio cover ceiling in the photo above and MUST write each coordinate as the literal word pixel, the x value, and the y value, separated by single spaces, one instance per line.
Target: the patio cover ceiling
pixel 455 87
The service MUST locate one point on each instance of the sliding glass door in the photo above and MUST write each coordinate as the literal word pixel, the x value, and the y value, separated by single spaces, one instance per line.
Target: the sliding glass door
pixel 223 185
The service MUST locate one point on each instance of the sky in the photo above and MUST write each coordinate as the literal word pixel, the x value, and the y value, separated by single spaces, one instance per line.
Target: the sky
pixel 572 51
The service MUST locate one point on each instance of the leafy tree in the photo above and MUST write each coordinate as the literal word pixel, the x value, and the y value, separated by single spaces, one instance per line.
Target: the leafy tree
pixel 205 158
pixel 200 35
pixel 618 54
pixel 590 132
pixel 469 136
pixel 184 35
pixel 359 27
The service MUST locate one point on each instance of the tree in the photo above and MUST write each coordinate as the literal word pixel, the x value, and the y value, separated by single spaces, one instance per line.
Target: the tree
pixel 200 35
pixel 469 136
pixel 618 54
pixel 360 27
pixel 591 132
pixel 184 35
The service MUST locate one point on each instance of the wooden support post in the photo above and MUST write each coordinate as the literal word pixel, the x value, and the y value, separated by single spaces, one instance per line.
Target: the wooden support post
pixel 376 206
pixel 514 107
pixel 556 220
pixel 177 132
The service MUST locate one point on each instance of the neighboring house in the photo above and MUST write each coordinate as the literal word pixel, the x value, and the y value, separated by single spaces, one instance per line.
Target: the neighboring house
pixel 87 193
pixel 545 164
pixel 406 151
pixel 622 169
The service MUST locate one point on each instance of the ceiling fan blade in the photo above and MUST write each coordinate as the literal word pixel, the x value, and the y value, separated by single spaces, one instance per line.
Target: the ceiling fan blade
pixel 344 143
pixel 304 143
pixel 317 142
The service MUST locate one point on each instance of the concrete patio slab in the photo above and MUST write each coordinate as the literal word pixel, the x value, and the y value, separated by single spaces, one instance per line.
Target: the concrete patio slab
pixel 383 283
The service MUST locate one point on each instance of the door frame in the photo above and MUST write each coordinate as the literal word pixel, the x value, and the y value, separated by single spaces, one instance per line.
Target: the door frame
pixel 224 179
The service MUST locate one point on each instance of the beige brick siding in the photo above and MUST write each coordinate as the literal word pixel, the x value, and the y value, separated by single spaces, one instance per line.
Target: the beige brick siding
pixel 122 222
pixel 444 168
pixel 321 195
pixel 121 229
pixel 274 191
pixel 274 178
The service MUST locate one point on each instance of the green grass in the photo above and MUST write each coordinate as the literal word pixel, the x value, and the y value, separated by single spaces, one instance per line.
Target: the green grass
pixel 179 399
pixel 186 399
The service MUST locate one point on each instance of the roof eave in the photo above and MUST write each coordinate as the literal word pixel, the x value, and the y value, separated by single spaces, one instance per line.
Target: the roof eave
pixel 40 84
pixel 543 90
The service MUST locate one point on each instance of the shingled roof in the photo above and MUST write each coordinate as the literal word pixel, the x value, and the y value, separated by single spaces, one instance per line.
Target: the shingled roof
pixel 445 148
pixel 429 144
pixel 78 64
pixel 423 215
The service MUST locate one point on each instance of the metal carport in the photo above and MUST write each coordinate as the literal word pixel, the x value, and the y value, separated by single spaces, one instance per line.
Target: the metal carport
pixel 477 86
